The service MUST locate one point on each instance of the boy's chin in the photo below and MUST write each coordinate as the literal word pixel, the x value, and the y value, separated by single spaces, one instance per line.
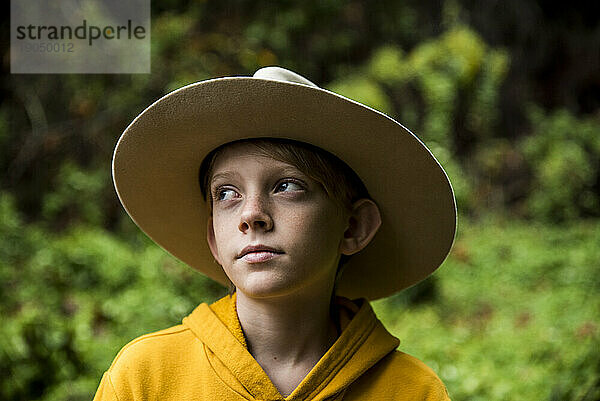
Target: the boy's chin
pixel 264 290
pixel 267 285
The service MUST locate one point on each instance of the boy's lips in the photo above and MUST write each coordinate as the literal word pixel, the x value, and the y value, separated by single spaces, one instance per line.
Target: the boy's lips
pixel 259 249
pixel 258 257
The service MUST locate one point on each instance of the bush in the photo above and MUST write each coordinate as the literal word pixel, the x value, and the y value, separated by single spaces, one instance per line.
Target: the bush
pixel 445 89
pixel 70 301
pixel 564 153
pixel 515 318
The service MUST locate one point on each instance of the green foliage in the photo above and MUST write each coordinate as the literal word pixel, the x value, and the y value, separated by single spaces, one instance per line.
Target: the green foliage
pixel 455 77
pixel 70 301
pixel 447 89
pixel 456 65
pixel 364 90
pixel 563 153
pixel 516 317
pixel 76 196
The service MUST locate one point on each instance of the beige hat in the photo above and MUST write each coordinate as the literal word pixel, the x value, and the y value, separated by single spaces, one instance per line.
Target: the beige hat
pixel 157 159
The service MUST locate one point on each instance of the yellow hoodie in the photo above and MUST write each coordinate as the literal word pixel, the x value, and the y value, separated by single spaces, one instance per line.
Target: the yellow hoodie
pixel 206 358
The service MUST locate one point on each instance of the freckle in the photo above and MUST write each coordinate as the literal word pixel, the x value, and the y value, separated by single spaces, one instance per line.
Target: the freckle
pixel 274 357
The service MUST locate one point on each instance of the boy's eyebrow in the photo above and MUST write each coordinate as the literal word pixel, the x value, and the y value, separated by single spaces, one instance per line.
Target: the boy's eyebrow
pixel 227 175
pixel 290 170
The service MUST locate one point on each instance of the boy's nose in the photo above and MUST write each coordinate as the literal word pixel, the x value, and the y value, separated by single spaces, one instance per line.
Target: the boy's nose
pixel 255 216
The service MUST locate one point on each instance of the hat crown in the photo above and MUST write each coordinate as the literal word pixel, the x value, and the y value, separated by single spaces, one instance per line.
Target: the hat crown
pixel 282 74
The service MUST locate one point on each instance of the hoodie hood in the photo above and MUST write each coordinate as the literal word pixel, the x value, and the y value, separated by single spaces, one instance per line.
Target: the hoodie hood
pixel 363 342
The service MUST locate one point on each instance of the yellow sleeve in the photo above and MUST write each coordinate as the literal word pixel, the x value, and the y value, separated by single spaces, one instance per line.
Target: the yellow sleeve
pixel 106 391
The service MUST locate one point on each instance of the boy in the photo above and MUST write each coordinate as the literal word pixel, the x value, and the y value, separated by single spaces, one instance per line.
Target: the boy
pixel 308 195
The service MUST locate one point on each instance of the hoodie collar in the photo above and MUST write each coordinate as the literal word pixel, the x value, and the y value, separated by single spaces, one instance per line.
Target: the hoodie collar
pixel 362 343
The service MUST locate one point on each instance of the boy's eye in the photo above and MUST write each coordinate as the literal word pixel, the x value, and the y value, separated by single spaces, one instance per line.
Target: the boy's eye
pixel 225 194
pixel 287 186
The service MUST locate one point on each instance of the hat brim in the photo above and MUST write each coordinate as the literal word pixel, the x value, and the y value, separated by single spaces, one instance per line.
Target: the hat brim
pixel 157 158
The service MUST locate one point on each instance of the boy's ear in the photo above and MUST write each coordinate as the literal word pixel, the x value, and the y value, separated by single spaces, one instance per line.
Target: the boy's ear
pixel 210 238
pixel 364 221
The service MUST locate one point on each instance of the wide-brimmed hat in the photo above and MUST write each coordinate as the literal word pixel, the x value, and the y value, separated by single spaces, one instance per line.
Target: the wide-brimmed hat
pixel 157 160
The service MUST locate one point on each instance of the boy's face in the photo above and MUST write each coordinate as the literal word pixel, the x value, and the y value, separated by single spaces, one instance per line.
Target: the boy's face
pixel 261 201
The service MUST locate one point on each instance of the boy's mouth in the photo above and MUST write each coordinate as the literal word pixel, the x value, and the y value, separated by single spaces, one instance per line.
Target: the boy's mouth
pixel 262 249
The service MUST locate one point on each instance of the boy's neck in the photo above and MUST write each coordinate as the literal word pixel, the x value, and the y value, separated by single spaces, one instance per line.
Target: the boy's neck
pixel 287 335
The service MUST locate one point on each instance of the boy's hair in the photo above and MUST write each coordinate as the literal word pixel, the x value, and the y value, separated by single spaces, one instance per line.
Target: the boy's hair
pixel 340 182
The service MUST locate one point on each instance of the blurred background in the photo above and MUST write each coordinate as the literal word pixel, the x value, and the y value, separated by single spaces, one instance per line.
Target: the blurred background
pixel 505 93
